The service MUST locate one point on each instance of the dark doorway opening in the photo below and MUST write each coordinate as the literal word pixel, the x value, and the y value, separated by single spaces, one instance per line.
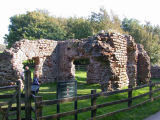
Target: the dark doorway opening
pixel 81 66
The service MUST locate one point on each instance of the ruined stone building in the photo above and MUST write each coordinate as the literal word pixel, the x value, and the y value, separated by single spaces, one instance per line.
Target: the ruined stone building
pixel 155 71
pixel 115 60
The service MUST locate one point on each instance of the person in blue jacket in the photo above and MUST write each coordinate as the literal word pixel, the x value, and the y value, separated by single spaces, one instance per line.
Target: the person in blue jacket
pixel 35 80
pixel 35 84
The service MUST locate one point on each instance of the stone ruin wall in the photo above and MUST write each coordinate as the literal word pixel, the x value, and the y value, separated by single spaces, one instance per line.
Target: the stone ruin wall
pixel 155 71
pixel 7 72
pixel 143 65
pixel 114 60
pixel 43 52
pixel 108 60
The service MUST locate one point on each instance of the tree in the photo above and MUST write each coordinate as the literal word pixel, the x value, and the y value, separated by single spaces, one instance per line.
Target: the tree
pixel 2 48
pixel 78 28
pixel 103 21
pixel 34 25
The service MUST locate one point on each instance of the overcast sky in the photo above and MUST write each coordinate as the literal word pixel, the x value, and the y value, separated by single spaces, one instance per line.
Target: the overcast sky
pixel 143 10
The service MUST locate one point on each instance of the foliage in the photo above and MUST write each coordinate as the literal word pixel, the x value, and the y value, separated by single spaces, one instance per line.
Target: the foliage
pixel 29 63
pixel 2 47
pixel 147 35
pixel 78 28
pixel 34 25
pixel 103 21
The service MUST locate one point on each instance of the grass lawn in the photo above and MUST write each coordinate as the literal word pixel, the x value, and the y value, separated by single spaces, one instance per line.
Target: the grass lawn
pixel 48 91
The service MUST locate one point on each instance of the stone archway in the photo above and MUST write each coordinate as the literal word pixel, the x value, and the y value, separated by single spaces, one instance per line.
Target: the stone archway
pixel 23 50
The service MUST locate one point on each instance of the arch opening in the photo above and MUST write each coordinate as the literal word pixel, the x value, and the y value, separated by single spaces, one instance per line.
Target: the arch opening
pixel 81 69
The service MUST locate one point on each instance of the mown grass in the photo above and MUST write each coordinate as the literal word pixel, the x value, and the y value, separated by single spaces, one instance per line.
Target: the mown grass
pixel 48 92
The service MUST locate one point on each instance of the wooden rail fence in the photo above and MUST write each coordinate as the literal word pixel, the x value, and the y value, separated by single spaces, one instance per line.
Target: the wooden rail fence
pixel 39 103
pixel 5 111
pixel 81 67
pixel 6 107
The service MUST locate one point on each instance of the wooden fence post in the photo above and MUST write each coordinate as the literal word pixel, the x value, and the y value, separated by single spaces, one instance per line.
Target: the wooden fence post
pixel 75 108
pixel 38 107
pixel 130 96
pixel 58 104
pixel 19 100
pixel 58 110
pixel 28 95
pixel 93 102
pixel 150 90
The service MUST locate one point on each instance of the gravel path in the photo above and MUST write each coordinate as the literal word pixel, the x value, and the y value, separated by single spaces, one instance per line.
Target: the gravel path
pixel 154 117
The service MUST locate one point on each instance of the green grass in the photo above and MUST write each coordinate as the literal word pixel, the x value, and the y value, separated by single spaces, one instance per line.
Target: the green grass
pixel 48 92
pixel 155 80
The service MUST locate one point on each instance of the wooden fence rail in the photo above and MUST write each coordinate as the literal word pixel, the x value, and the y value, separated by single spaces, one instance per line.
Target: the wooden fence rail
pixel 8 87
pixel 39 103
pixel 64 100
pixel 81 67
pixel 16 96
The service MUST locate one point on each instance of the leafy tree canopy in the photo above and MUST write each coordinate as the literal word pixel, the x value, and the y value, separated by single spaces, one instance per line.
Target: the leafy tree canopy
pixel 79 28
pixel 34 25
pixel 103 21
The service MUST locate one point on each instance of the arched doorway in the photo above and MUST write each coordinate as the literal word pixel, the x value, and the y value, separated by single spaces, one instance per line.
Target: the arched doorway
pixel 81 69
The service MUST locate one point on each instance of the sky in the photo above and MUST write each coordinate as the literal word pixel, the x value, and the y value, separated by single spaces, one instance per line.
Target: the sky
pixel 142 10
